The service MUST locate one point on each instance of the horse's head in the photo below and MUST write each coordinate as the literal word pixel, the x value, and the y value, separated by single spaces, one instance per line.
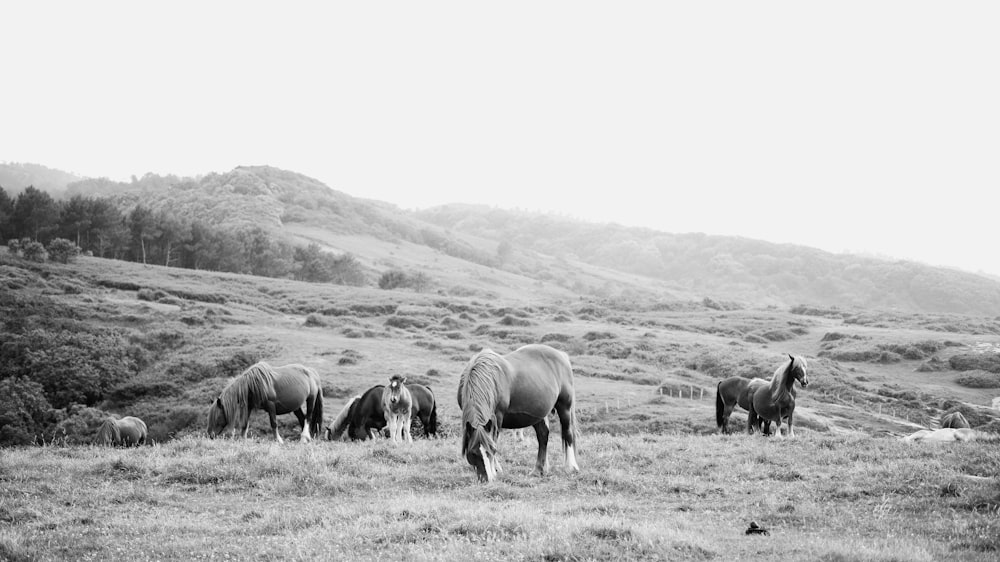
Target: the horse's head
pixel 395 389
pixel 799 368
pixel 217 419
pixel 479 444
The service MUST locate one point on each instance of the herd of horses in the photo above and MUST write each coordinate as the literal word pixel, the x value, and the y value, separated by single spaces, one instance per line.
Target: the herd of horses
pixel 515 391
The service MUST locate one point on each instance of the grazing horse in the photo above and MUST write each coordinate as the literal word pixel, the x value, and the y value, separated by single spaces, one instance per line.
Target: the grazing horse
pixel 339 425
pixel 776 401
pixel 511 391
pixel 732 392
pixel 277 390
pixel 954 420
pixel 424 407
pixel 397 407
pixel 363 418
pixel 126 432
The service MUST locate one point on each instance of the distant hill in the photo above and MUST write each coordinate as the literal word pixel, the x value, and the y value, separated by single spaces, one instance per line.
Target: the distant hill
pixel 535 245
pixel 14 177
pixel 734 267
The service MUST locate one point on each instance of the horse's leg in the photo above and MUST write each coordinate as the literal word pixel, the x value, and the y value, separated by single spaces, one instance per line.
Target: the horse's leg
pixel 751 420
pixel 303 426
pixel 542 433
pixel 407 419
pixel 791 432
pixel 273 416
pixel 568 430
pixel 777 425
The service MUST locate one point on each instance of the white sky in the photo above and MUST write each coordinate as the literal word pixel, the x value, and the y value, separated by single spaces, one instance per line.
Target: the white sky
pixel 865 126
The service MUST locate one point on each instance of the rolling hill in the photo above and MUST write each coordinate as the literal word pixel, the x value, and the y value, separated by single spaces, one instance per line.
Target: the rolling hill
pixel 585 258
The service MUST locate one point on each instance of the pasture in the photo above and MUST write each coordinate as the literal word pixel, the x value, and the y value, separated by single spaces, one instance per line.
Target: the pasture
pixel 655 480
pixel 647 496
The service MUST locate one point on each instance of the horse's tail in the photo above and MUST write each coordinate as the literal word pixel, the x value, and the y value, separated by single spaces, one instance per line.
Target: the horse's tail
pixel 340 423
pixel 316 420
pixel 720 406
pixel 570 437
pixel 432 421
pixel 108 434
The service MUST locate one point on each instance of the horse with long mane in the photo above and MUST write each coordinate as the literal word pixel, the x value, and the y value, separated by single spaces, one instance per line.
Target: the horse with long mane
pixel 127 432
pixel 776 401
pixel 277 390
pixel 397 406
pixel 736 391
pixel 954 420
pixel 363 416
pixel 512 391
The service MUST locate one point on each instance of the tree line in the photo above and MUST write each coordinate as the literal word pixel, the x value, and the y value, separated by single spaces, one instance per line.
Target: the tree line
pixel 98 227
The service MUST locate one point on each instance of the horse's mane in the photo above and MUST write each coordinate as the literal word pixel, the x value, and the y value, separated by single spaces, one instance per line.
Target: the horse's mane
pixel 780 387
pixel 109 434
pixel 479 390
pixel 479 397
pixel 245 391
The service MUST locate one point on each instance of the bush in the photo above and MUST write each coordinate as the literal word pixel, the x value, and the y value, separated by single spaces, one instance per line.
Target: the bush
pixel 62 250
pixel 24 411
pixel 34 251
pixel 976 361
pixel 979 379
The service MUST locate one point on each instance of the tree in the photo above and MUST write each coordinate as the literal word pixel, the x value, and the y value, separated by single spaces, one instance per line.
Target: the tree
pixel 75 217
pixel 35 214
pixel 6 215
pixel 34 251
pixel 142 226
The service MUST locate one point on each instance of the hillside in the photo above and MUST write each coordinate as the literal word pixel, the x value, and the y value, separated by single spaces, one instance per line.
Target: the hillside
pixel 584 258
pixel 735 268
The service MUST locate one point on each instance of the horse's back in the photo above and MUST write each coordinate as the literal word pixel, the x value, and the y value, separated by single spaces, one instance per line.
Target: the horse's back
pixel 133 430
pixel 540 377
pixel 293 384
pixel 421 398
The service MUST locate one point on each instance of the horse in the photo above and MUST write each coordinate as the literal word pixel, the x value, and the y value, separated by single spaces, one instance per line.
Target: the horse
pixel 732 392
pixel 397 406
pixel 277 390
pixel 424 407
pixel 336 429
pixel 954 420
pixel 363 418
pixel 776 401
pixel 512 391
pixel 943 435
pixel 126 432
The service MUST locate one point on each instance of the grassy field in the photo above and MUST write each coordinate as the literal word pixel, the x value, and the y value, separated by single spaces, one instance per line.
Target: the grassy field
pixel 657 482
pixel 645 496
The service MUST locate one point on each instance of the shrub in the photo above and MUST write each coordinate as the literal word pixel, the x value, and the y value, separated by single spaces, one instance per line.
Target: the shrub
pixel 23 411
pixel 976 361
pixel 62 250
pixel 979 379
pixel 34 251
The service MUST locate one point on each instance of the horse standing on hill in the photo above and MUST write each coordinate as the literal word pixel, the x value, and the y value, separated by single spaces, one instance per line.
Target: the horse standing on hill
pixel 397 407
pixel 126 432
pixel 277 390
pixel 776 401
pixel 512 391
pixel 732 392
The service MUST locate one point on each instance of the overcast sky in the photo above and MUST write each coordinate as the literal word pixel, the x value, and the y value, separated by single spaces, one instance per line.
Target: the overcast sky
pixel 861 126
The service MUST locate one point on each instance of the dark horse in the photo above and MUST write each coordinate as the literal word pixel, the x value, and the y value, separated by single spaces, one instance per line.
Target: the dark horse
pixel 363 417
pixel 776 401
pixel 511 391
pixel 126 432
pixel 732 392
pixel 276 390
pixel 954 420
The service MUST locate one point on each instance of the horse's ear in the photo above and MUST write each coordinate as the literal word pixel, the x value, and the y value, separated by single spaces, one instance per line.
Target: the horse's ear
pixel 792 357
pixel 218 402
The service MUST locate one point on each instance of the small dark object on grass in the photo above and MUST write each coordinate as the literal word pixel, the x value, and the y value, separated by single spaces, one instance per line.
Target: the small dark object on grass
pixel 755 529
